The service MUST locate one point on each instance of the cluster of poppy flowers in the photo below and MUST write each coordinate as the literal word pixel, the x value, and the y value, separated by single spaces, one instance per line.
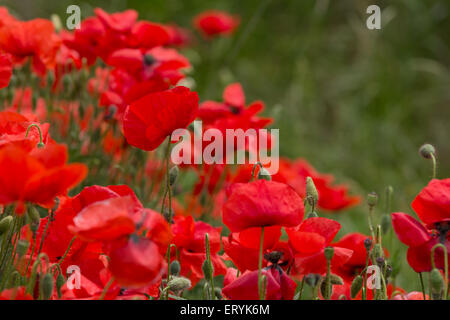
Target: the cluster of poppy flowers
pixel 110 91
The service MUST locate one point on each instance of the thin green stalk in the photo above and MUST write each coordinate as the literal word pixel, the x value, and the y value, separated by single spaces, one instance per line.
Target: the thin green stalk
pixel 260 263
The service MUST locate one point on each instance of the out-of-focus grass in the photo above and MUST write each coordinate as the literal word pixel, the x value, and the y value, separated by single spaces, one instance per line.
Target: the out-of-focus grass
pixel 355 102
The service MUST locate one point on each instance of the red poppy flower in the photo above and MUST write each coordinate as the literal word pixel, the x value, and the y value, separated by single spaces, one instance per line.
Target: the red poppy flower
pixel 39 180
pixel 420 242
pixel 136 262
pixel 309 240
pixel 34 38
pixel 243 247
pixel 189 238
pixel 148 35
pixel 355 242
pixel 120 21
pixel 432 204
pixel 278 286
pixel 262 203
pixel 13 129
pixel 5 70
pixel 413 295
pixel 92 224
pixel 213 23
pixel 149 120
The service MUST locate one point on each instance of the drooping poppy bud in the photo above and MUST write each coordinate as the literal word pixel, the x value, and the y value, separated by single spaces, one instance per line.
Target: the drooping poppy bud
pixel 385 223
pixel 5 223
pixel 47 286
pixel 175 268
pixel 437 283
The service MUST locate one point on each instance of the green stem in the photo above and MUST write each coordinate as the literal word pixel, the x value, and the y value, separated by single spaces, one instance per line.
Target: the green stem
pixel 210 266
pixel 433 159
pixel 67 251
pixel 422 285
pixel 106 288
pixel 260 264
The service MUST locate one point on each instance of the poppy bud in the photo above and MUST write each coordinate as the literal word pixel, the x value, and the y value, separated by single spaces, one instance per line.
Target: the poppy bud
pixel 368 244
pixel 56 22
pixel 264 174
pixel 60 280
pixel 175 268
pixel 437 282
pixel 427 150
pixel 336 280
pixel 207 270
pixel 22 247
pixel 47 286
pixel 14 280
pixel 329 252
pixel 385 223
pixel 179 284
pixel 173 174
pixel 312 214
pixel 311 192
pixel 372 199
pixel 5 223
pixel 33 214
pixel 356 286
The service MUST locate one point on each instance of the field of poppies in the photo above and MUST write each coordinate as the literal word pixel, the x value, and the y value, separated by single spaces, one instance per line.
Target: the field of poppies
pixel 118 180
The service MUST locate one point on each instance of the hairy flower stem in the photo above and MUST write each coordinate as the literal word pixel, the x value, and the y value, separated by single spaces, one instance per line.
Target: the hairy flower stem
pixel 50 218
pixel 260 265
pixel 169 192
pixel 422 285
pixel 434 164
pixel 67 251
pixel 41 141
pixel 106 288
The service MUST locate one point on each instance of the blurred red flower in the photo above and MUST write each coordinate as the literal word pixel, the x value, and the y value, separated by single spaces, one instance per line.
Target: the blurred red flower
pixel 5 69
pixel 213 23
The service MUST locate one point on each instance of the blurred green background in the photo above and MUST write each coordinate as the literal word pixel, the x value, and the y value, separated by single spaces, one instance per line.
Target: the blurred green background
pixel 355 102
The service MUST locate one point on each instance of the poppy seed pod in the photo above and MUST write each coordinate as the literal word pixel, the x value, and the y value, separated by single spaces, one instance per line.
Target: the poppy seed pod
pixel 5 223
pixel 175 268
pixel 372 199
pixel 47 286
pixel 179 284
pixel 329 252
pixel 427 150
pixel 173 174
pixel 356 286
